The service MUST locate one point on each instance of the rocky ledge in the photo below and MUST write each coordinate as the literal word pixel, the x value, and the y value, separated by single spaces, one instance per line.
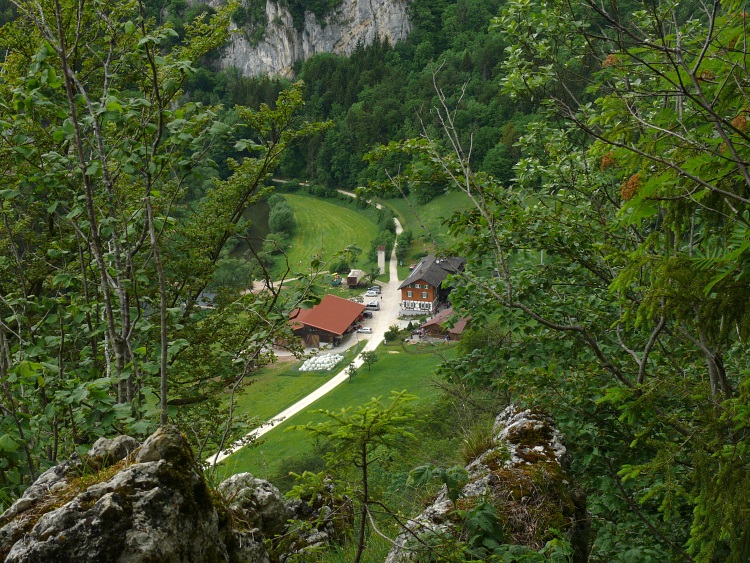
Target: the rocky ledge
pixel 127 502
pixel 524 478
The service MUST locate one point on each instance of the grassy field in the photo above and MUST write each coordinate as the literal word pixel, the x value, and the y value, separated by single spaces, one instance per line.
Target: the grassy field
pixel 324 228
pixel 280 385
pixel 393 372
pixel 432 215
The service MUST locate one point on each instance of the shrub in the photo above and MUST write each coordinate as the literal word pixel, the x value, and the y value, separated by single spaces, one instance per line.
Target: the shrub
pixel 281 219
pixel 276 199
pixel 477 440
pixel 392 332
pixel 276 243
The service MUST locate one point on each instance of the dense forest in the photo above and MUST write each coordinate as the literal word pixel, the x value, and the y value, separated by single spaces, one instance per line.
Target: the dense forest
pixel 605 152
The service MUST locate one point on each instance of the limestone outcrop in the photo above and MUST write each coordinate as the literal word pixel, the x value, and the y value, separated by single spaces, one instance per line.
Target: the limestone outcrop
pixel 354 22
pixel 127 502
pixel 523 477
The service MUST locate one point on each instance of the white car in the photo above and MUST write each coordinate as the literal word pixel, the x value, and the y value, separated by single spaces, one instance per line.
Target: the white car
pixel 371 293
pixel 365 329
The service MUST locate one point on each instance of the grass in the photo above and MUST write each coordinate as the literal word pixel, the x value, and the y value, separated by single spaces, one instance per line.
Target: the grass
pixel 398 371
pixel 432 215
pixel 280 385
pixel 325 227
pixel 343 291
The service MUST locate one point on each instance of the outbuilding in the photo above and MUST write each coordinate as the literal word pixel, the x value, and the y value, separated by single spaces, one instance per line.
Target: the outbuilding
pixel 439 326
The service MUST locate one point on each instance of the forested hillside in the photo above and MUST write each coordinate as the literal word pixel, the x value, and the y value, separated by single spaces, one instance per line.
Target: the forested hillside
pixel 604 150
pixel 115 217
pixel 383 92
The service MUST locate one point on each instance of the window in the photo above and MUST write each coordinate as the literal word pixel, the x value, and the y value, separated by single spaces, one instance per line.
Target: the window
pixel 424 295
pixel 409 293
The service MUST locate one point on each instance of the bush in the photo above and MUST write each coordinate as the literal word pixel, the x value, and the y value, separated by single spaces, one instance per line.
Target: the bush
pixel 276 243
pixel 392 332
pixel 341 266
pixel 385 221
pixel 323 191
pixel 281 219
pixel 403 241
pixel 386 238
pixel 477 440
pixel 276 199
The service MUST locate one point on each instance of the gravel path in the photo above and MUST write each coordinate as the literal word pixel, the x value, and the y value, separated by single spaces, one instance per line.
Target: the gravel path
pixel 388 315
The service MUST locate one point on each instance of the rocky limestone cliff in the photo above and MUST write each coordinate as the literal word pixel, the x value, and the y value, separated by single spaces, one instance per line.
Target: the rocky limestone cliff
pixel 128 503
pixel 524 478
pixel 356 21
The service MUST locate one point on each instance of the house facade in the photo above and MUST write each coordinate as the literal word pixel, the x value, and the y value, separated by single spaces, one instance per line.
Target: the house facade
pixel 423 290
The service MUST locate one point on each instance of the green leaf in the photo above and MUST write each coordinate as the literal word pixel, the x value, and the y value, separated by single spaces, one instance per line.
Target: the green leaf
pixel 93 168
pixel 8 444
pixel 9 194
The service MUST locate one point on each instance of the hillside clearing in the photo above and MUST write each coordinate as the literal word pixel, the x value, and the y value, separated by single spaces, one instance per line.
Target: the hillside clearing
pixel 412 372
pixel 325 228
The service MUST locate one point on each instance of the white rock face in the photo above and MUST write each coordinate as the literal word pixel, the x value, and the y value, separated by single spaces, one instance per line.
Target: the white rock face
pixel 355 21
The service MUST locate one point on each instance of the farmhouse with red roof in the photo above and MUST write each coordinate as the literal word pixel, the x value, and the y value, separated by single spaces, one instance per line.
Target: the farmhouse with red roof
pixel 327 321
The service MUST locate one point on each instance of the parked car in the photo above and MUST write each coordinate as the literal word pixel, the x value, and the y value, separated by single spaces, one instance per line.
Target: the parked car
pixel 365 329
pixel 373 306
pixel 371 293
pixel 375 288
pixel 367 315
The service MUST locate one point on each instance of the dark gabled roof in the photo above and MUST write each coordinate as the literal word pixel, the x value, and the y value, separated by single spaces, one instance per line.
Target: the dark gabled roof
pixel 332 314
pixel 434 270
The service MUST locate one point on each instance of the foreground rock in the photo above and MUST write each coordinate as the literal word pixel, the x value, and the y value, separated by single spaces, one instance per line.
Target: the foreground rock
pixel 127 503
pixel 524 479
pixel 122 504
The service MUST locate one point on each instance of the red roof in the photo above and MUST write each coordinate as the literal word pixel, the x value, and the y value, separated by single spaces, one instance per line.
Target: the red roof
pixel 441 318
pixel 332 314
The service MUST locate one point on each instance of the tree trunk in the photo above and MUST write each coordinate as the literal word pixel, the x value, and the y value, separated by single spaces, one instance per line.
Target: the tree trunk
pixel 363 508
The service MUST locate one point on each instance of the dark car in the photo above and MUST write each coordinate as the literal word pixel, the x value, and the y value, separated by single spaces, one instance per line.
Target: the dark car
pixel 367 315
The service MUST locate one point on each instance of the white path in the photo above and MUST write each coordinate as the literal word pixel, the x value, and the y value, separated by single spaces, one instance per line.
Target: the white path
pixel 388 315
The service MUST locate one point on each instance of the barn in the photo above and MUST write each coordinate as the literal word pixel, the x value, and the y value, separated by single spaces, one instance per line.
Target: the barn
pixel 438 326
pixel 327 321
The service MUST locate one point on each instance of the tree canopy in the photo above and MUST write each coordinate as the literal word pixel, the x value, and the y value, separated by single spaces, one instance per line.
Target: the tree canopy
pixel 104 255
pixel 615 261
